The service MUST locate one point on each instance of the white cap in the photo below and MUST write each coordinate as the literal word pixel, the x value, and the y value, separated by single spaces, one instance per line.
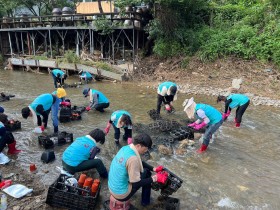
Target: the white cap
pixel 187 103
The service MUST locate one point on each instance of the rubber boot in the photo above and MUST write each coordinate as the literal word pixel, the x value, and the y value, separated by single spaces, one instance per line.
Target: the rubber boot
pixel 237 125
pixel 12 149
pixel 202 148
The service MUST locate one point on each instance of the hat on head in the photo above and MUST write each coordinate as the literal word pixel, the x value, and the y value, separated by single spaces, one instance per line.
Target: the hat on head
pixel 187 103
pixel 60 93
pixel 85 92
pixel 25 112
pixel 2 109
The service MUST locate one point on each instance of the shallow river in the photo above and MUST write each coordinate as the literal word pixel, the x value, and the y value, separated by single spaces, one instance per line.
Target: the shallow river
pixel 240 170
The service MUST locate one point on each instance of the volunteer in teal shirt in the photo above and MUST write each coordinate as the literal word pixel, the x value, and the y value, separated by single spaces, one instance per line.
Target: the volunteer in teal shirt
pixel 238 101
pixel 80 155
pixel 128 173
pixel 206 116
pixel 120 119
pixel 97 99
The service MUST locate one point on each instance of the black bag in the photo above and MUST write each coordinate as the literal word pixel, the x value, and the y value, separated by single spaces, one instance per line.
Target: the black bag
pixel 48 156
pixel 46 142
pixel 65 114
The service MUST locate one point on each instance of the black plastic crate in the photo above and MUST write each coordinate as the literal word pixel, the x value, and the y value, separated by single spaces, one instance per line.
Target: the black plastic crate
pixel 13 126
pixel 172 184
pixel 70 197
pixel 46 142
pixel 65 114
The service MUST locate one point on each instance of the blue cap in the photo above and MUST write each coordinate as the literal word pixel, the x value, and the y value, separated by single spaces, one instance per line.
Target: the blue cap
pixel 2 109
pixel 85 92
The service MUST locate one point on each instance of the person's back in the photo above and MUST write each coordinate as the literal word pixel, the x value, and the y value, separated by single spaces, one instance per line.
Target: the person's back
pixel 212 113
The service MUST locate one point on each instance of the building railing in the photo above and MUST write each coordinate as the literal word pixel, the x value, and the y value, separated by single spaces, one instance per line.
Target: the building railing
pixel 70 19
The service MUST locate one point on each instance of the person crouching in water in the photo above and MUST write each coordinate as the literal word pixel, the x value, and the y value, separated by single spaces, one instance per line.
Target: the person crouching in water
pixel 80 155
pixel 42 106
pixel 167 93
pixel 58 77
pixel 239 101
pixel 206 116
pixel 85 75
pixel 128 172
pixel 6 138
pixel 97 99
pixel 120 119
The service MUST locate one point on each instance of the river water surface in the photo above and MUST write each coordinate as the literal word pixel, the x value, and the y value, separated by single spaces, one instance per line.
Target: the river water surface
pixel 240 170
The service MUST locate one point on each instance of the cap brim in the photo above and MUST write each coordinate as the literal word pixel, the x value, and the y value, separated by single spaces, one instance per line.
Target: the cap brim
pixel 190 102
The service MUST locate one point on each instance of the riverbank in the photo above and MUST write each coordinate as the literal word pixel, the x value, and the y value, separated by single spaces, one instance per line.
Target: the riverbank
pixel 260 82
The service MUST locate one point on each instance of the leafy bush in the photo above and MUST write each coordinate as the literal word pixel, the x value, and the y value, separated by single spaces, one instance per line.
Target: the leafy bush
pixel 104 25
pixel 70 57
pixel 167 48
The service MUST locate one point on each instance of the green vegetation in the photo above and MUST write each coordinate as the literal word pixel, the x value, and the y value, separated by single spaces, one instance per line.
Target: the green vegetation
pixel 104 25
pixel 248 29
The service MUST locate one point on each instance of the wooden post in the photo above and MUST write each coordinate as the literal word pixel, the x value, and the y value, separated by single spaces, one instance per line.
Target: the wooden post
pixel 77 43
pixel 28 44
pixel 50 40
pixel 10 42
pixel 22 46
pixel 18 50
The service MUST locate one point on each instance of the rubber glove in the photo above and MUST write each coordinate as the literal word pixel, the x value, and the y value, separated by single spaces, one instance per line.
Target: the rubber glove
pixel 5 183
pixel 107 129
pixel 159 168
pixel 228 113
pixel 129 140
pixel 65 103
pixel 168 108
pixel 224 116
pixel 162 177
pixel 199 126
pixel 192 124
pixel 88 108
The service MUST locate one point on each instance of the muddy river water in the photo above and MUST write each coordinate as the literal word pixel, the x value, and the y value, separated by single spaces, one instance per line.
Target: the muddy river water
pixel 240 170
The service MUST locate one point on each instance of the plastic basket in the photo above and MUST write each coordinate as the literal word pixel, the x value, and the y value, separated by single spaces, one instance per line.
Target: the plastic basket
pixel 13 126
pixel 70 197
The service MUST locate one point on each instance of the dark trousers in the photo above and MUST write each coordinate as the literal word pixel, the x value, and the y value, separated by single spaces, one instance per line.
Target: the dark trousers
pixel 45 118
pixel 87 165
pixel 7 139
pixel 127 133
pixel 146 189
pixel 55 80
pixel 102 106
pixel 240 111
pixel 163 99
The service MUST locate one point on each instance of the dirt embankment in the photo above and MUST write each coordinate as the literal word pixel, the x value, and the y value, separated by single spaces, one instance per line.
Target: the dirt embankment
pixel 260 80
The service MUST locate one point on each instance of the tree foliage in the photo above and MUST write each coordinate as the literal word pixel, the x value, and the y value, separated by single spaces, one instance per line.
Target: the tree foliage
pixel 36 7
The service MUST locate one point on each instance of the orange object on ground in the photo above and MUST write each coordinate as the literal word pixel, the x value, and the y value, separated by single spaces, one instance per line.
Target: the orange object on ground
pixel 88 182
pixel 94 188
pixel 32 167
pixel 82 180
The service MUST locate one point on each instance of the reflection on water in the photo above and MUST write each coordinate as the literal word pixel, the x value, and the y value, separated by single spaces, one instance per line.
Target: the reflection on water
pixel 240 170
